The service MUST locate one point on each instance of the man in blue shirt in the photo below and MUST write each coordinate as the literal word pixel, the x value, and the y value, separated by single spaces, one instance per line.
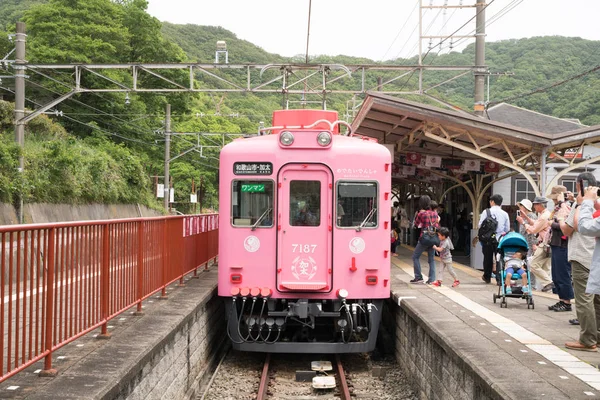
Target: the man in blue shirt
pixel 489 250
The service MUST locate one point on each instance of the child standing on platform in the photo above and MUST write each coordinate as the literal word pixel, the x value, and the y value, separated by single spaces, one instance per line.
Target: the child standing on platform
pixel 394 242
pixel 444 249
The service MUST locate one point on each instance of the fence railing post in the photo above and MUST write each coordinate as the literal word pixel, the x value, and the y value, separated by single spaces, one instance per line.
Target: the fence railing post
pixel 105 282
pixel 165 259
pixel 49 328
pixel 140 268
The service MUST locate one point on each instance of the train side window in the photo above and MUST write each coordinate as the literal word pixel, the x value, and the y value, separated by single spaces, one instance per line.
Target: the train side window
pixel 252 203
pixel 305 203
pixel 357 204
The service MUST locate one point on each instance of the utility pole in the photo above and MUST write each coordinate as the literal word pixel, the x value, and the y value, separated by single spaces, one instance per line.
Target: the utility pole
pixel 19 67
pixel 167 156
pixel 480 68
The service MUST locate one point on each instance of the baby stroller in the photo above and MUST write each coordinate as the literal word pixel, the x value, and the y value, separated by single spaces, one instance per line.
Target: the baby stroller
pixel 508 245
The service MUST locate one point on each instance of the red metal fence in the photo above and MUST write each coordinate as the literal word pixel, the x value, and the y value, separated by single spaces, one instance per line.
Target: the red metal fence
pixel 60 281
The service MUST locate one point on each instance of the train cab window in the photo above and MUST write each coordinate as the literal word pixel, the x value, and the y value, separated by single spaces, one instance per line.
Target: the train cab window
pixel 252 203
pixel 357 204
pixel 305 203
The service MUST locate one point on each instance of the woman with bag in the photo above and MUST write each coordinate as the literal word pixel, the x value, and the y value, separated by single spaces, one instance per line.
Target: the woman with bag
pixel 428 220
pixel 404 223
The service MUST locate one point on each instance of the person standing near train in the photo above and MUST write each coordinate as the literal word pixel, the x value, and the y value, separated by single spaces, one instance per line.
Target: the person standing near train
pixel 428 220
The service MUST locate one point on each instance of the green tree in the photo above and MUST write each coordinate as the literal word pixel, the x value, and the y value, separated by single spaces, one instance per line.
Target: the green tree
pixel 71 31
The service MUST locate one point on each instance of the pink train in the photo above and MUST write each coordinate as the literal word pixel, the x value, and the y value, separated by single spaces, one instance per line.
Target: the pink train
pixel 304 254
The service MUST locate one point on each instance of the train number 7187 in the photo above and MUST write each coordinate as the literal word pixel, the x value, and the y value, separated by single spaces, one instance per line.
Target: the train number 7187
pixel 303 248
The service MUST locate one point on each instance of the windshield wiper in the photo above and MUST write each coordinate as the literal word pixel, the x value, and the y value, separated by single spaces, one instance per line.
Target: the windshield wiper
pixel 368 217
pixel 259 220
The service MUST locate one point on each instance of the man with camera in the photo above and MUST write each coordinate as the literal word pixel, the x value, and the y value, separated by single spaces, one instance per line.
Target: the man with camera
pixel 580 253
pixel 540 262
pixel 590 226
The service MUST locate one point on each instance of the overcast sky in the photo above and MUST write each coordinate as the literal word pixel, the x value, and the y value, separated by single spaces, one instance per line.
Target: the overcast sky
pixel 377 29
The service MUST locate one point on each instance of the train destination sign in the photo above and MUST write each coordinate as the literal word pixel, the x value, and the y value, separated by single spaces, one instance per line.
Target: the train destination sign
pixel 254 188
pixel 252 168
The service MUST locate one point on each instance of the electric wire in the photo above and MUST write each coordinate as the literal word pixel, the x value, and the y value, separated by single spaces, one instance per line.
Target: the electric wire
pixel 410 36
pixel 443 40
pixel 401 29
pixel 92 108
pixel 545 88
pixel 85 123
pixel 509 7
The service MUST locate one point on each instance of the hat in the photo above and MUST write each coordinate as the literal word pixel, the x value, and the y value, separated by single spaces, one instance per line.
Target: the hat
pixel 526 203
pixel 540 200
pixel 556 190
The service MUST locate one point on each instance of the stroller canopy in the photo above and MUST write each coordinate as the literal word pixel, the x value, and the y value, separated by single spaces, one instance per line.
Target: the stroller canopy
pixel 513 239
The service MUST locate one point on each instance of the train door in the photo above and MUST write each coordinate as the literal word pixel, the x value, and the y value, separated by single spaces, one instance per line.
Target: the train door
pixel 304 235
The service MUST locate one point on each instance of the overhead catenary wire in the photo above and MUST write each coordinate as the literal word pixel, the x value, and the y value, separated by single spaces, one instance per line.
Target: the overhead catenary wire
pixel 545 88
pixel 96 109
pixel 401 29
pixel 86 123
pixel 446 38
pixel 502 12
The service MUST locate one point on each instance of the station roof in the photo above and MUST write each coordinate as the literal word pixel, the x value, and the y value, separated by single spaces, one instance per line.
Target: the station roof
pixel 513 115
pixel 431 130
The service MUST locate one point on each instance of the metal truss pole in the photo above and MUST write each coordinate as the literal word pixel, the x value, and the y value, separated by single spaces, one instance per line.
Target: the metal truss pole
pixel 480 68
pixel 167 190
pixel 420 46
pixel 20 68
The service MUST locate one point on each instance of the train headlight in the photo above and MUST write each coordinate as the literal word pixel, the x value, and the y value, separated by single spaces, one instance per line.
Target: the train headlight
pixel 342 294
pixel 324 138
pixel 286 138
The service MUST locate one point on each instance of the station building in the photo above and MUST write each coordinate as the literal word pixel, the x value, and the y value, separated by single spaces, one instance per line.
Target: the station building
pixel 460 160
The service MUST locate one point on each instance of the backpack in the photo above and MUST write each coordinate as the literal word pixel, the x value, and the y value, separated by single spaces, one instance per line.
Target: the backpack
pixel 487 230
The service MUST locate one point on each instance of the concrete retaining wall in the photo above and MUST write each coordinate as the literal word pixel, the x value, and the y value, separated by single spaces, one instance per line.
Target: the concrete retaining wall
pixel 181 363
pixel 435 363
pixel 39 213
pixel 167 353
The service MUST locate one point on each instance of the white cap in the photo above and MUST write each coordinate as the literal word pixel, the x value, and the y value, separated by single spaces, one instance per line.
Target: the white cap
pixel 527 204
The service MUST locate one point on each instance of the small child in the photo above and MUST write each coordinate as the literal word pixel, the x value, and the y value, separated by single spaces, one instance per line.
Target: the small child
pixel 444 249
pixel 516 264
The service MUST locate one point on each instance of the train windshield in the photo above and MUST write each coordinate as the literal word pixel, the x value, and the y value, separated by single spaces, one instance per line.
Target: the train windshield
pixel 252 203
pixel 357 204
pixel 305 203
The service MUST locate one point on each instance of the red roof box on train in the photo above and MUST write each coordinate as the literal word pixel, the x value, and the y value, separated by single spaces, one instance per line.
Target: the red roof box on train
pixel 297 118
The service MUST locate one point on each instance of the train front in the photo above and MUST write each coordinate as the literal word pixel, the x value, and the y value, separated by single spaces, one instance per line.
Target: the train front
pixel 304 257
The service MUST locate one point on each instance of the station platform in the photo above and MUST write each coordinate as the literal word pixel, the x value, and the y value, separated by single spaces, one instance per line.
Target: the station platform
pixel 145 356
pixel 519 352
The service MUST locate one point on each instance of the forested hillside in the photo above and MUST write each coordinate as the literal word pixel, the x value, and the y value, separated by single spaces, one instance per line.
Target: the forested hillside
pixel 119 144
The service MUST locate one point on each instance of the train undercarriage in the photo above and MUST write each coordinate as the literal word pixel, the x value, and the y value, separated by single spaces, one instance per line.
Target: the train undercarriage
pixel 303 325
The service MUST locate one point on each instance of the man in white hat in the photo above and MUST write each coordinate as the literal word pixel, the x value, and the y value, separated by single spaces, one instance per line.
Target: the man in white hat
pixel 541 262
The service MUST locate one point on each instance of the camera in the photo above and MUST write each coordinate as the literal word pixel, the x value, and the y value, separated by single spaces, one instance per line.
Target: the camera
pixel 583 184
pixel 518 213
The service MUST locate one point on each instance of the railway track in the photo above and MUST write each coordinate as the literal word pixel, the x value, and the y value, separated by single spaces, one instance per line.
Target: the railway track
pixel 341 387
pixel 250 376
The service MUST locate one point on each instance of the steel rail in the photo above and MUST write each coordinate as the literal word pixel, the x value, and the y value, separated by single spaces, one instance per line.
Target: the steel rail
pixel 264 379
pixel 344 390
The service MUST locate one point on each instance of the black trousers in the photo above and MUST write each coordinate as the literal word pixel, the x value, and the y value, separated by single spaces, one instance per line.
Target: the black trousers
pixel 489 254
